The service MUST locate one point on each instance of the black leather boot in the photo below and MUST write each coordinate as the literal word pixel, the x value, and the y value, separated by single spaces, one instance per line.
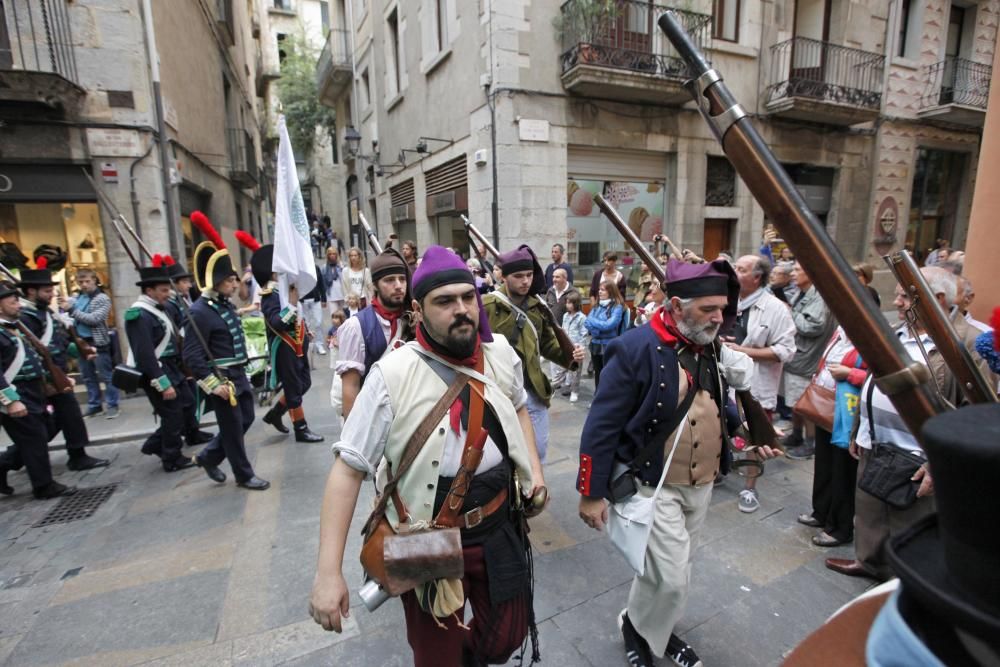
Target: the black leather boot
pixel 273 417
pixel 303 434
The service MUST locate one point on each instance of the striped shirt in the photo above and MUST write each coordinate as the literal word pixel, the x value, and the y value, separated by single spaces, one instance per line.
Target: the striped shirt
pixel 889 426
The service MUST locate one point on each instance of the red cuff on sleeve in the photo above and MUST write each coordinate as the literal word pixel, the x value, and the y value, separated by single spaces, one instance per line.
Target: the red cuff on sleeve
pixel 583 480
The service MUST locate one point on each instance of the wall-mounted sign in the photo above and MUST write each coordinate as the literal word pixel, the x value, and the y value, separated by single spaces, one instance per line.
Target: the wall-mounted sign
pixel 441 203
pixel 533 130
pixel 112 142
pixel 109 172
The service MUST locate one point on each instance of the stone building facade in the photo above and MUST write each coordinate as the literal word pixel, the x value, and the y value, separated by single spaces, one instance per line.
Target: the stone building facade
pixel 574 98
pixel 77 95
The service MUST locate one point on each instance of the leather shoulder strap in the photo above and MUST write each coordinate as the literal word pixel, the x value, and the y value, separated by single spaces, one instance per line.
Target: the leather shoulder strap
pixel 413 447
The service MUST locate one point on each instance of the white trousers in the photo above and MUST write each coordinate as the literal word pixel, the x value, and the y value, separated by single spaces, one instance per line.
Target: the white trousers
pixel 657 599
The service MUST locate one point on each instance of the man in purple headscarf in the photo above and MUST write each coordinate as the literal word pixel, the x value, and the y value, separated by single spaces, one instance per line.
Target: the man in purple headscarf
pixel 400 391
pixel 668 426
pixel 516 310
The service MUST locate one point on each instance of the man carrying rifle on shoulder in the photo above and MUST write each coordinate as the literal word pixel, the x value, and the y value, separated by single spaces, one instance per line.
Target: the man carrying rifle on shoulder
pixel 515 310
pixel 36 286
pixel 22 404
pixel 672 422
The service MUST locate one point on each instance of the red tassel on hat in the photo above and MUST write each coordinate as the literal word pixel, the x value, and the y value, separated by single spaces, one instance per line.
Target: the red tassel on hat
pixel 247 241
pixel 200 220
pixel 157 260
pixel 42 263
pixel 168 260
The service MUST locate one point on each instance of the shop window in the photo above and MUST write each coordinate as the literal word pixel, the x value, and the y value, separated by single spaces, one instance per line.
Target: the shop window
pixel 720 182
pixel 590 235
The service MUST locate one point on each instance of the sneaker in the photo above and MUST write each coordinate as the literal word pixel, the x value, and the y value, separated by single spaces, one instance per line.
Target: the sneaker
pixel 681 653
pixel 636 649
pixel 93 412
pixel 802 452
pixel 574 397
pixel 749 502
pixel 566 392
pixel 111 413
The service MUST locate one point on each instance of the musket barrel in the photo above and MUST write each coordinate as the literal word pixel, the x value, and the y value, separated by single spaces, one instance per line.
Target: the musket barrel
pixel 479 237
pixel 372 239
pixel 904 382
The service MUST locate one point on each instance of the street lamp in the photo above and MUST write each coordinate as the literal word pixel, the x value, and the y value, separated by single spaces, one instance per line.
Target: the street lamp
pixel 352 141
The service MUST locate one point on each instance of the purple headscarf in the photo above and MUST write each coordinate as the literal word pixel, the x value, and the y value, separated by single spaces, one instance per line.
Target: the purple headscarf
pixel 440 266
pixel 689 281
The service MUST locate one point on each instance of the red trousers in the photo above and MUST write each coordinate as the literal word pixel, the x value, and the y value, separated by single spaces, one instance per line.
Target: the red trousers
pixel 493 635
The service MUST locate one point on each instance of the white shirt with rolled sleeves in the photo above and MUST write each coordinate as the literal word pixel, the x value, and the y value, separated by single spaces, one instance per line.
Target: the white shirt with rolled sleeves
pixel 351 354
pixel 770 326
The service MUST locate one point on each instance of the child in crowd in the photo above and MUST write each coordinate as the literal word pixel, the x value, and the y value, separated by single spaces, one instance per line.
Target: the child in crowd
pixel 572 324
pixel 337 319
pixel 353 306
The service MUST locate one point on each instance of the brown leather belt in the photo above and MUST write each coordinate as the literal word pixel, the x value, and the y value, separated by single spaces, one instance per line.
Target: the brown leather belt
pixel 475 516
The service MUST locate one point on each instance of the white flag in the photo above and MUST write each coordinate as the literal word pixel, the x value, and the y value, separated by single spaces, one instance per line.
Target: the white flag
pixel 293 258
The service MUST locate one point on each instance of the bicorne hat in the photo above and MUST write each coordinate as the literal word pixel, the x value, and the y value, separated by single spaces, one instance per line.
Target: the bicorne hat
pixel 212 262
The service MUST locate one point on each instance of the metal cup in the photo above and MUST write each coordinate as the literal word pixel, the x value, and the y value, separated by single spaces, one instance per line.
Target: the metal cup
pixel 372 595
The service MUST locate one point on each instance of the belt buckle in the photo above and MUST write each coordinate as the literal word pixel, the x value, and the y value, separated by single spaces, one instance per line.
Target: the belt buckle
pixel 476 517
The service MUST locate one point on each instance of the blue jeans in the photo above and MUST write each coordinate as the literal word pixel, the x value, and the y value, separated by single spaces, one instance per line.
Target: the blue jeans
pixel 95 371
pixel 539 413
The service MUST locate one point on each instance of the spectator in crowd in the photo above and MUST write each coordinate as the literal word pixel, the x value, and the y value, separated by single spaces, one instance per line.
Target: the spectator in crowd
pixel 938 254
pixel 781 284
pixel 608 272
pixel 642 285
pixel 835 471
pixel 356 277
pixel 410 255
pixel 604 323
pixel 987 345
pixel 765 332
pixel 336 242
pixel 866 273
pixel 573 324
pixel 332 278
pixel 353 306
pixel 557 263
pixel 655 298
pixel 484 282
pixel 337 318
pixel 555 298
pixel 317 237
pixel 311 305
pixel 813 327
pixel 968 295
pixel 90 311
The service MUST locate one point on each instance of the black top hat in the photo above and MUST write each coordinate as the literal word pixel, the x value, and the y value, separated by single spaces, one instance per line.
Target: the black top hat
pixel 950 561
pixel 7 289
pixel 152 275
pixel 261 262
pixel 175 269
pixel 40 276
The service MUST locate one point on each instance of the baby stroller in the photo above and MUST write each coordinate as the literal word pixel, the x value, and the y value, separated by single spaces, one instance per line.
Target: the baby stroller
pixel 258 368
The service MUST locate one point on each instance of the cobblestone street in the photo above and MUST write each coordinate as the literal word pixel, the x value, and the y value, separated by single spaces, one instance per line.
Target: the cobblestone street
pixel 176 570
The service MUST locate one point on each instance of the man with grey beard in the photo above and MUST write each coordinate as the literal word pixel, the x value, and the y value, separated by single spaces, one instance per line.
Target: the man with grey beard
pixel 660 411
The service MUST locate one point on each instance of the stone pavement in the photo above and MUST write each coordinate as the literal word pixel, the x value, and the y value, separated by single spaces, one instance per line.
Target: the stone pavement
pixel 176 570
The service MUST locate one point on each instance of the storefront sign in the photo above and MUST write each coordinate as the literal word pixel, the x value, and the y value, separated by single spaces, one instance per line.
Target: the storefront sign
pixel 533 130
pixel 113 142
pixel 44 182
pixel 403 213
pixel 441 203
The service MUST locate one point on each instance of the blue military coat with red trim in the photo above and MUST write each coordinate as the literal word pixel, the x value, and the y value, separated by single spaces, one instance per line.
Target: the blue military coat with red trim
pixel 632 408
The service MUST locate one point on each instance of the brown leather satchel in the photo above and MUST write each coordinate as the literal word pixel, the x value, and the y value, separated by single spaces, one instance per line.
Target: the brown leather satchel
pixel 817 405
pixel 401 560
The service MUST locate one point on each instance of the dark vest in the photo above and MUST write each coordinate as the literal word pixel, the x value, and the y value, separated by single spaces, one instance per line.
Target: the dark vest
pixel 374 337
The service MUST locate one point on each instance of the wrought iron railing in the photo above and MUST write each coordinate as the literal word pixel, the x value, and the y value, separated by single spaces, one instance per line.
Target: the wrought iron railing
pixel 622 34
pixel 242 155
pixel 802 67
pixel 956 81
pixel 336 51
pixel 35 36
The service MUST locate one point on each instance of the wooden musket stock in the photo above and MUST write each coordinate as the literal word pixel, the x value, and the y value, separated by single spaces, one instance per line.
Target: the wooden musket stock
pixel 935 322
pixel 904 381
pixel 565 344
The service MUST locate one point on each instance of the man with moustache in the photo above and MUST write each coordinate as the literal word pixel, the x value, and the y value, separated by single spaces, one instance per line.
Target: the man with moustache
pixel 678 376
pixel 36 286
pixel 379 328
pixel 400 391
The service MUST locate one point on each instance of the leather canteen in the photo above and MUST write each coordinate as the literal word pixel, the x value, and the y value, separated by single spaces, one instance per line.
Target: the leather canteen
pixel 401 562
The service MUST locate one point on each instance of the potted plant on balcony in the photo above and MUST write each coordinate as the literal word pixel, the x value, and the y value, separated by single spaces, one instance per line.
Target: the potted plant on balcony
pixel 581 23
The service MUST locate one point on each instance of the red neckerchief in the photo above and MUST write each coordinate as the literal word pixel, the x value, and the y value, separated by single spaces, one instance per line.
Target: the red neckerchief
pixel 474 361
pixel 666 330
pixel 391 315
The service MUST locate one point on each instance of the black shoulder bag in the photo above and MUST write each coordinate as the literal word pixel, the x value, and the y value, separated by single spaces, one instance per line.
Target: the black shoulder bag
pixel 889 468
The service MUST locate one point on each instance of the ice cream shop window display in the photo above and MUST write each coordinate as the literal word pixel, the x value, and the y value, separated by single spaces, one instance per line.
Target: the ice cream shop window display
pixel 640 203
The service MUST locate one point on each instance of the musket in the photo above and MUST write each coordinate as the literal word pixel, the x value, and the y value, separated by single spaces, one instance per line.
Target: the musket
pixel 119 222
pixel 759 429
pixel 565 344
pixel 86 349
pixel 906 382
pixel 372 239
pixel 926 311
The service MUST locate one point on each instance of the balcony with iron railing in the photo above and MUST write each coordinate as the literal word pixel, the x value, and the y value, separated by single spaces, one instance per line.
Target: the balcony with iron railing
pixel 37 59
pixel 335 67
pixel 956 91
pixel 614 49
pixel 242 157
pixel 822 82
